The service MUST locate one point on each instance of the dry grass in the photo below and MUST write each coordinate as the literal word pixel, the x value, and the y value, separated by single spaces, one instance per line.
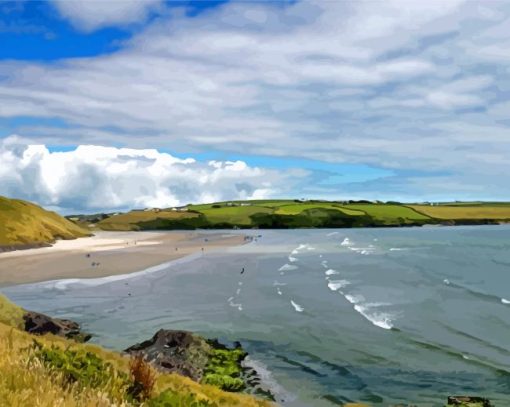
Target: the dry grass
pixel 23 223
pixel 464 212
pixel 143 377
pixel 10 314
pixel 24 381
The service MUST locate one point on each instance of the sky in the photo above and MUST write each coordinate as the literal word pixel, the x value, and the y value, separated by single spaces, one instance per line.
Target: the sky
pixel 111 105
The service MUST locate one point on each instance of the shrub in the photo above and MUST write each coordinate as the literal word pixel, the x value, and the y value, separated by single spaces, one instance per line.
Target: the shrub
pixel 143 377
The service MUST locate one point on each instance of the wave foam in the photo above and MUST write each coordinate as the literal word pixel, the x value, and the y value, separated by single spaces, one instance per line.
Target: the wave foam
pixel 231 302
pixel 331 272
pixel 382 320
pixel 292 259
pixel 335 285
pixel 297 307
pixel 354 299
pixel 346 242
pixel 505 301
pixel 287 267
pixel 363 250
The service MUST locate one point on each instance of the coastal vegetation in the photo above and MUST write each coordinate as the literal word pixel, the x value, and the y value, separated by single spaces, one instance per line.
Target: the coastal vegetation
pixel 285 214
pixel 50 370
pixel 24 224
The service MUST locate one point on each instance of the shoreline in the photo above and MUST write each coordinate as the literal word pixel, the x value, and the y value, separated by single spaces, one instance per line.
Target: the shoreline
pixel 107 254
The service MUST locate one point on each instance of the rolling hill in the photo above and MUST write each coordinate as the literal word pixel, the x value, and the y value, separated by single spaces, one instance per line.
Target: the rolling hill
pixel 24 224
pixel 282 214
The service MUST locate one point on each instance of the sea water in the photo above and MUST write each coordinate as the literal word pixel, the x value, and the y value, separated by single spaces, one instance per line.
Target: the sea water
pixel 382 316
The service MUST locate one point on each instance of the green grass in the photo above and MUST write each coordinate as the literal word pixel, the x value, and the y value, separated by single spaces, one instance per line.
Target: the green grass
pixel 25 224
pixel 131 220
pixel 295 208
pixel 286 213
pixel 236 215
pixel 388 213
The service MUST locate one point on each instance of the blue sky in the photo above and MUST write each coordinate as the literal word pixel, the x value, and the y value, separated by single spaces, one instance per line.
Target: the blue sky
pixel 397 100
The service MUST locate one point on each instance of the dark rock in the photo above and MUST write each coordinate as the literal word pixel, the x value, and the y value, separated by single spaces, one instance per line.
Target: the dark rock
pixel 176 351
pixel 467 401
pixel 40 324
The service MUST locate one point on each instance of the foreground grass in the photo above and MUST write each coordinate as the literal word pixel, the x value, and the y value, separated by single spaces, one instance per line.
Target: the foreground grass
pixel 23 224
pixel 52 371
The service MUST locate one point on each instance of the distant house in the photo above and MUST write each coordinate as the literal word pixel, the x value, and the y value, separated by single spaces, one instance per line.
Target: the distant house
pixel 152 210
pixel 179 208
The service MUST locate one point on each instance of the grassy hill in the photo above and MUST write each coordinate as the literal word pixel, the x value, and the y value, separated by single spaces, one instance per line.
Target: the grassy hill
pixel 308 214
pixel 23 224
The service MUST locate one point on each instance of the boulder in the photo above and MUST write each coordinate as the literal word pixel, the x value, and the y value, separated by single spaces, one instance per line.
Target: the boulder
pixel 180 352
pixel 40 324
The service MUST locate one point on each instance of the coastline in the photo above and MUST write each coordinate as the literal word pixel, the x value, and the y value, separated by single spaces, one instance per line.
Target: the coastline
pixel 107 254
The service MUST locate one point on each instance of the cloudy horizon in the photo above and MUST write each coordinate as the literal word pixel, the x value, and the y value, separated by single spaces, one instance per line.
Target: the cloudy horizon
pixel 112 105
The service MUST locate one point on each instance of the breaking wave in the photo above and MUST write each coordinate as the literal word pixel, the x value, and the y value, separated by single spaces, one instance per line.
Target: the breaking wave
pixel 297 307
pixel 335 285
pixel 380 319
pixel 287 267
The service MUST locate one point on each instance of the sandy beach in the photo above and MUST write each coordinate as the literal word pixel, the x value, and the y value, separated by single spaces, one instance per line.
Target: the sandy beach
pixel 105 254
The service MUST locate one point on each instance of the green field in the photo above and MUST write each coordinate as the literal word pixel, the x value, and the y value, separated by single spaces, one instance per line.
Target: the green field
pixel 238 215
pixel 288 213
pixel 389 213
pixel 132 220
pixel 23 224
pixel 294 209
pixel 500 212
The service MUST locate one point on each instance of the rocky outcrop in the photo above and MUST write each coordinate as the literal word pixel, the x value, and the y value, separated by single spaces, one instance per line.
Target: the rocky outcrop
pixel 467 401
pixel 40 324
pixel 179 352
pixel 203 360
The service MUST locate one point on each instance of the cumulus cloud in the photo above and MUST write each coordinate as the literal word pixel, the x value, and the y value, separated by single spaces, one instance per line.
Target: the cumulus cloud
pixel 404 85
pixel 89 15
pixel 101 178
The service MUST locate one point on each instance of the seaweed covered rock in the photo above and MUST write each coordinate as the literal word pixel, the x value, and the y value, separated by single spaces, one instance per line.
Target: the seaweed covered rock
pixel 40 324
pixel 202 360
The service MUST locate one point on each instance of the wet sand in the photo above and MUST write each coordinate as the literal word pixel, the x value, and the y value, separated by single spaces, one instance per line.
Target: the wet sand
pixel 107 253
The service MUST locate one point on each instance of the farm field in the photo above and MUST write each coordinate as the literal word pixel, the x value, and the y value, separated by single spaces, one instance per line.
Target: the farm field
pixel 294 214
pixel 465 212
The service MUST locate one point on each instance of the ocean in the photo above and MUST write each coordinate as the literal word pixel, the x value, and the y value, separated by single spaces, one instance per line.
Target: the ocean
pixel 381 316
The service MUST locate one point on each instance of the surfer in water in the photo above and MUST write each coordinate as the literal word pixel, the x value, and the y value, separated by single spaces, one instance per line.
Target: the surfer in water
pixel 242 271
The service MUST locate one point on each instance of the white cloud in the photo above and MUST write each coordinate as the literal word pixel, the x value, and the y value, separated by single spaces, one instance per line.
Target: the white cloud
pixel 89 15
pixel 405 85
pixel 93 177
